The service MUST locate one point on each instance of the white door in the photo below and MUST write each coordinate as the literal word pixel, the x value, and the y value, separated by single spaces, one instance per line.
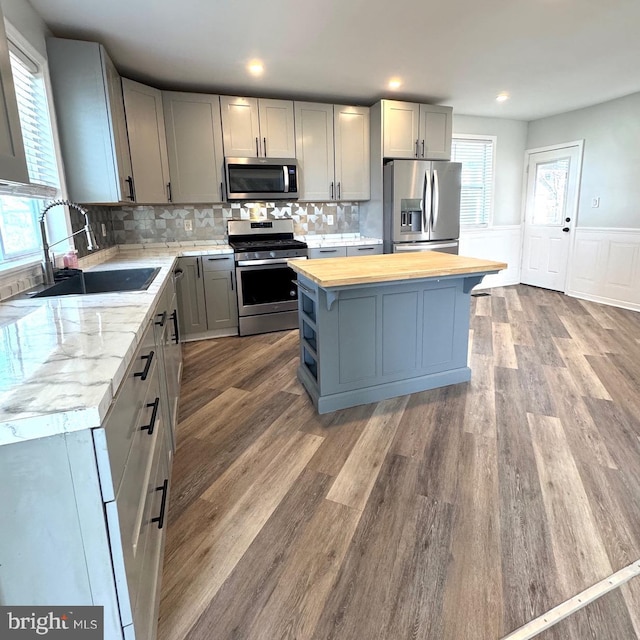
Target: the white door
pixel 550 215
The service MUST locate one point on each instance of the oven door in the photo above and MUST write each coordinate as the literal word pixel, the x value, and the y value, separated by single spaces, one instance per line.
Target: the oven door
pixel 266 288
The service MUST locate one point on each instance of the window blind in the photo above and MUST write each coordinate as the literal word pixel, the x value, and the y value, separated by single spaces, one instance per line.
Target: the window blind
pixel 476 197
pixel 36 127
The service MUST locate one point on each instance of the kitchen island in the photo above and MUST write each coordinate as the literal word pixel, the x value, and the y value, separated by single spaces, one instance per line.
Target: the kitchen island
pixel 375 327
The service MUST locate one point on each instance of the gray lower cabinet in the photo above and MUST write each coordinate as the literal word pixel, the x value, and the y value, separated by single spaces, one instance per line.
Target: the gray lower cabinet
pixel 207 300
pixel 84 512
pixel 190 287
pixel 345 251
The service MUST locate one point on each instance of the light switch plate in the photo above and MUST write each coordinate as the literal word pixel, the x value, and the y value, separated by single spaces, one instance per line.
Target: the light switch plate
pixel 104 229
pixel 188 225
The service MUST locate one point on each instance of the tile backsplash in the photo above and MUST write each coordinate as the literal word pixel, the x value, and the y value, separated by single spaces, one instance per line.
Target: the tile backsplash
pixel 166 223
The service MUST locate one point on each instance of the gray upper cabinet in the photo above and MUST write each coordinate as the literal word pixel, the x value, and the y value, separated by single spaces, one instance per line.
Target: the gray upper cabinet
pixel 13 165
pixel 332 146
pixel 351 127
pixel 416 130
pixel 147 142
pixel 255 127
pixel 87 92
pixel 194 144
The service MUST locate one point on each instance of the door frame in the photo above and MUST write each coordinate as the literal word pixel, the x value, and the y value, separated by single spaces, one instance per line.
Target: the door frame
pixel 574 205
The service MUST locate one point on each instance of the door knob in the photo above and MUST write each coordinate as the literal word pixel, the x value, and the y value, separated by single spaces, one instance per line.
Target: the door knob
pixel 566 229
pixel 567 219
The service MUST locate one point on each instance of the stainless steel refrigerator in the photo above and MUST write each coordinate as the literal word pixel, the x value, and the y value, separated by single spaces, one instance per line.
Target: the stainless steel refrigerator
pixel 421 203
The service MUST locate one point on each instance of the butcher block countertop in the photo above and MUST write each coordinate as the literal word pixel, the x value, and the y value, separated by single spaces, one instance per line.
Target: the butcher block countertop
pixel 340 272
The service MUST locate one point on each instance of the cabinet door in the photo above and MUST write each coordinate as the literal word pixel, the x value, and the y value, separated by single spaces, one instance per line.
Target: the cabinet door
pixel 277 133
pixel 351 126
pixel 240 127
pixel 122 154
pixel 87 92
pixel 435 132
pixel 400 123
pixel 191 307
pixel 147 141
pixel 221 300
pixel 13 165
pixel 194 144
pixel 314 150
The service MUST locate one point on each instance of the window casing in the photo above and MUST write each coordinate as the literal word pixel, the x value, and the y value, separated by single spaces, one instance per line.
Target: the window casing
pixel 20 205
pixel 477 155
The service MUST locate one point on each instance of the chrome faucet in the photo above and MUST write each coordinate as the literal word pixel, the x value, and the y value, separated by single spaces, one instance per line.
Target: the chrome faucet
pixel 92 245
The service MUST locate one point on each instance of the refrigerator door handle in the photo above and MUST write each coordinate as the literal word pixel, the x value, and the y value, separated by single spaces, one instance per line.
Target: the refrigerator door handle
pixel 426 221
pixel 435 208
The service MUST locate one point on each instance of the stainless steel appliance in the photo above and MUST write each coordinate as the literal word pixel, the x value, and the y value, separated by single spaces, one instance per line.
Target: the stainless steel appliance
pixel 421 203
pixel 267 292
pixel 261 178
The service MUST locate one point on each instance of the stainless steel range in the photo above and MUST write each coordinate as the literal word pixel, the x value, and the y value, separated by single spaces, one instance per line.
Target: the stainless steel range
pixel 267 293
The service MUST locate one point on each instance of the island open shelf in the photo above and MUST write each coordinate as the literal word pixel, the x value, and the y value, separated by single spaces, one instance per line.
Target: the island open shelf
pixel 375 327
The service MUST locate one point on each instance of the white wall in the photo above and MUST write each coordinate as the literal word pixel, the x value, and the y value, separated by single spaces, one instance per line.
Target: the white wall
pixel 502 240
pixel 24 18
pixel 611 163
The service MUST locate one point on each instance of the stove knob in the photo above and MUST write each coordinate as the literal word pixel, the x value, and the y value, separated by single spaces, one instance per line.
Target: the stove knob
pixel 272 254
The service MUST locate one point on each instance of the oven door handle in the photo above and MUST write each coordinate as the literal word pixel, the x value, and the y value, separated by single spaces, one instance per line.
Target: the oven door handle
pixel 260 263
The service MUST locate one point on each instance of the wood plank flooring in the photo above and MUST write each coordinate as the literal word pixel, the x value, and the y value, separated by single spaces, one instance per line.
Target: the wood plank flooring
pixel 459 513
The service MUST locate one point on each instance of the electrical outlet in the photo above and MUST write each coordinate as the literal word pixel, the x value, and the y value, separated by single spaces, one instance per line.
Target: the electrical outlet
pixel 330 219
pixel 104 230
pixel 595 203
pixel 188 225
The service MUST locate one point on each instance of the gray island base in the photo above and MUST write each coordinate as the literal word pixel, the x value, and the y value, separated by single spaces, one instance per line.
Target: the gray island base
pixel 364 343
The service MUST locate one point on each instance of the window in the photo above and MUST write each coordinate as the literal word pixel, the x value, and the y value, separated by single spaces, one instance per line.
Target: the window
pixel 476 198
pixel 20 205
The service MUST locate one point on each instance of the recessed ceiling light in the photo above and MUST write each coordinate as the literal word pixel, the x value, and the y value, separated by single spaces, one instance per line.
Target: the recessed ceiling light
pixel 255 68
pixel 395 83
pixel 502 97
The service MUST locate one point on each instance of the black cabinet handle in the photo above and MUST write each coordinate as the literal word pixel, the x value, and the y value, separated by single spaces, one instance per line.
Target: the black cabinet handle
pixel 423 148
pixel 265 147
pixel 365 248
pixel 162 318
pixel 328 250
pixel 169 194
pixel 145 372
pixel 132 193
pixel 222 258
pixel 566 229
pixel 198 266
pixel 257 148
pixel 231 276
pixel 332 190
pixel 176 334
pixel 154 416
pixel 163 504
pixel 417 148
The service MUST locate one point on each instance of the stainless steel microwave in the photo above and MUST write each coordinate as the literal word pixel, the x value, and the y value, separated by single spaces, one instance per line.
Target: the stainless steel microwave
pixel 261 178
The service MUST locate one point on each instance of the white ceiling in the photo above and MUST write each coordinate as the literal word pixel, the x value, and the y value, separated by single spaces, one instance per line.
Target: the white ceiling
pixel 549 55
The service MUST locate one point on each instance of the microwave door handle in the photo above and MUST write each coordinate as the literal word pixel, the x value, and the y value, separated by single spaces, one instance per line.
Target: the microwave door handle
pixel 285 169
pixel 436 200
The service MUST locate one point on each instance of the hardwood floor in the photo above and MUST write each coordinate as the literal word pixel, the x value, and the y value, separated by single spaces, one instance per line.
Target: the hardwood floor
pixel 454 514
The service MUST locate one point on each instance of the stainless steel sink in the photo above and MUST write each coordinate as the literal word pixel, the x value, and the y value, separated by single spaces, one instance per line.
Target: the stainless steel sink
pixel 102 282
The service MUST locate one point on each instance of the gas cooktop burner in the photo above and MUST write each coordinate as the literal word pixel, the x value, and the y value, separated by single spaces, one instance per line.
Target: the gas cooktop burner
pixel 266 245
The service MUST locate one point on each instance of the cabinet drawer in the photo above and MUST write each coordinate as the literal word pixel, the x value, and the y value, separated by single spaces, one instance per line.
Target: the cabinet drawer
pixel 217 263
pixel 129 404
pixel 328 252
pixel 365 250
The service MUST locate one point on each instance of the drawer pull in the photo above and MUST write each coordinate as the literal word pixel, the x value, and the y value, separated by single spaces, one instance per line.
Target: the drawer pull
pixel 328 250
pixel 222 258
pixel 154 416
pixel 162 318
pixel 163 504
pixel 365 248
pixel 145 372
pixel 176 332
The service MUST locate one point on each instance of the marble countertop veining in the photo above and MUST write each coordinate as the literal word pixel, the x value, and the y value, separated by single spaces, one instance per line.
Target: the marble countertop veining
pixel 63 358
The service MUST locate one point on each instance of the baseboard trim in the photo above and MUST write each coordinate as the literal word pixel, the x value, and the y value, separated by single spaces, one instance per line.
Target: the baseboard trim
pixel 621 304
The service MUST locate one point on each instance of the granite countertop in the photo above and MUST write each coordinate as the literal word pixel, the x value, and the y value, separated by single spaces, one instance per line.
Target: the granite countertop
pixel 340 272
pixel 63 358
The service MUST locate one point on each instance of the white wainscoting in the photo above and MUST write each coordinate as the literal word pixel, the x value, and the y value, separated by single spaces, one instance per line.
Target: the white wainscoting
pixel 495 243
pixel 605 266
